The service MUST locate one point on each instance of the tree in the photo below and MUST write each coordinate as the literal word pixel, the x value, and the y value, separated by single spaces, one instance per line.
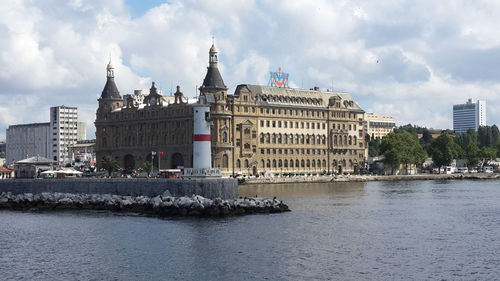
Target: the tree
pixel 109 164
pixel 472 153
pixel 148 167
pixel 488 153
pixel 402 147
pixel 374 147
pixel 444 150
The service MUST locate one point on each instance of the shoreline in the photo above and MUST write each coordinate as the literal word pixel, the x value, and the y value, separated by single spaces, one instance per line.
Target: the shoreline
pixel 366 178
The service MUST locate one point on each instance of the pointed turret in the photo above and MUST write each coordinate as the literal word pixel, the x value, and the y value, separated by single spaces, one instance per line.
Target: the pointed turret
pixel 213 79
pixel 110 90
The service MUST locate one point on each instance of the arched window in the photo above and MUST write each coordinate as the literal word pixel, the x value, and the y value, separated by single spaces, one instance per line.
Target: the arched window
pixel 274 138
pixel 291 163
pixel 268 164
pixel 313 139
pixel 274 163
pixel 308 163
pixel 355 140
pixel 246 163
pixel 262 139
pixel 323 139
pixel 297 165
pixel 238 163
pixel 350 140
pixel 285 139
pixel 313 163
pixel 224 137
pixel 308 141
pixel 345 140
pixel 335 140
pixel 280 163
pixel 225 162
pixel 285 163
pixel 302 163
pixel 262 164
pixel 324 164
pixel 268 138
pixel 318 164
pixel 279 138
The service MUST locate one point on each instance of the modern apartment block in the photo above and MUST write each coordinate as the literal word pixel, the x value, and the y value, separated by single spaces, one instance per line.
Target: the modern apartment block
pixel 27 140
pixel 378 125
pixel 470 115
pixel 65 131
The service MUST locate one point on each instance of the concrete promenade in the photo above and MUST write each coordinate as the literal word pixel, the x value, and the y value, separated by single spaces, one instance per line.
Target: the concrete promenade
pixel 364 178
pixel 209 188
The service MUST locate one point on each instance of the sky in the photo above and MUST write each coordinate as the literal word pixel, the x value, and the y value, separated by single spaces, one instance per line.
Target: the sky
pixel 409 59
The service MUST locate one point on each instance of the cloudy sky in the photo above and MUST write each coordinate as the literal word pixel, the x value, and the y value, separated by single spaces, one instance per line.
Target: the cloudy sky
pixel 410 59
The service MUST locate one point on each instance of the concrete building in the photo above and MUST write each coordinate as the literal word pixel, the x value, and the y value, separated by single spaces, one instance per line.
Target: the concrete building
pixel 255 131
pixel 28 140
pixel 83 151
pixel 470 115
pixel 378 125
pixel 65 131
pixel 32 167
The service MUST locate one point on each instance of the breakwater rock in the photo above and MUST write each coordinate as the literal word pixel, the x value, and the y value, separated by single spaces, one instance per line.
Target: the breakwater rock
pixel 161 205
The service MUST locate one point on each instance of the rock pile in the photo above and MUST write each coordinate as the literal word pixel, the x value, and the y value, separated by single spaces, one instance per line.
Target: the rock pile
pixel 161 205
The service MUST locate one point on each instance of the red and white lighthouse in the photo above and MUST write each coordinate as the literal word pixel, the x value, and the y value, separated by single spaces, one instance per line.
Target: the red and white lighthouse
pixel 202 141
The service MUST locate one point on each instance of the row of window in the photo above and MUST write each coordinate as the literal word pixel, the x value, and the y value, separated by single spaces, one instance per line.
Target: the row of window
pixel 304 151
pixel 291 139
pixel 298 112
pixel 294 163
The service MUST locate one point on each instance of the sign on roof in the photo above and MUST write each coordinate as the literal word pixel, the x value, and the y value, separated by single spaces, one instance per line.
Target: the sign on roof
pixel 278 79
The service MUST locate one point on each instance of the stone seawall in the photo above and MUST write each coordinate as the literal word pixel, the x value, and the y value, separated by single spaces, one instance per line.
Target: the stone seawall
pixel 209 188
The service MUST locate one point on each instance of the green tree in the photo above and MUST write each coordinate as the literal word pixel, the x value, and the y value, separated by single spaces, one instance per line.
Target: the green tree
pixel 472 153
pixel 374 147
pixel 148 167
pixel 402 147
pixel 488 153
pixel 444 150
pixel 109 164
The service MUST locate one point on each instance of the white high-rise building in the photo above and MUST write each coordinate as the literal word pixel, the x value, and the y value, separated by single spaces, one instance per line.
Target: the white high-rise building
pixel 470 115
pixel 28 140
pixel 65 131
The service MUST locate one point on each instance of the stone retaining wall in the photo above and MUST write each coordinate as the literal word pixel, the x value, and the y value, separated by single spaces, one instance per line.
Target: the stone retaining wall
pixel 209 188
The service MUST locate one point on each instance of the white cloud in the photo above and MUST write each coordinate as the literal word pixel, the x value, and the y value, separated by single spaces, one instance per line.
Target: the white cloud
pixel 411 59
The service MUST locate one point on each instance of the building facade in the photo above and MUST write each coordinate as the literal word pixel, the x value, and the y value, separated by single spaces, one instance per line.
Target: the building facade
pixel 28 140
pixel 257 130
pixel 378 125
pixel 470 115
pixel 83 151
pixel 65 131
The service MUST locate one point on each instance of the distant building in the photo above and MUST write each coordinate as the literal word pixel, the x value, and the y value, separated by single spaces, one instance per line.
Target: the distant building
pixel 378 125
pixel 49 140
pixel 65 131
pixel 28 140
pixel 470 115
pixel 32 167
pixel 83 151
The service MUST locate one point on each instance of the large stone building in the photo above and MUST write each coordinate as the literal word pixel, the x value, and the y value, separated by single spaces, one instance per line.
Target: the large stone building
pixel 256 130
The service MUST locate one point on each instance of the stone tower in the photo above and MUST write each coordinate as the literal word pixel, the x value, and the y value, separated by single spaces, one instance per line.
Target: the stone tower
pixel 110 97
pixel 215 92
